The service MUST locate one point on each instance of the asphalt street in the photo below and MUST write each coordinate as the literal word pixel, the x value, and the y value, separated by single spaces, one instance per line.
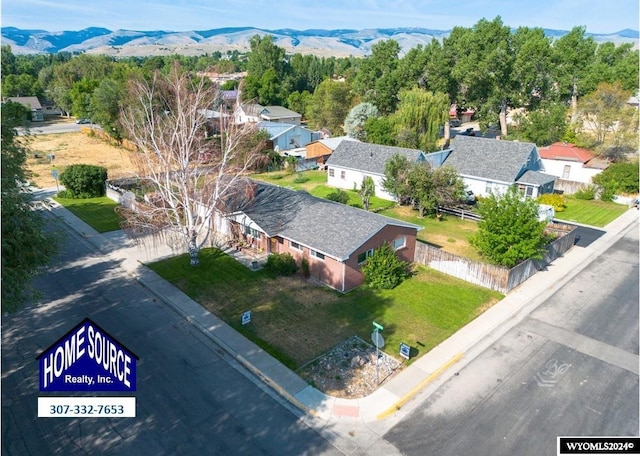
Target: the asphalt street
pixel 191 398
pixel 569 369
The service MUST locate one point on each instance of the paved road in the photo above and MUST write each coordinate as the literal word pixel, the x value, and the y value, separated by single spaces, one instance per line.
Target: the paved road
pixel 52 127
pixel 570 368
pixel 191 399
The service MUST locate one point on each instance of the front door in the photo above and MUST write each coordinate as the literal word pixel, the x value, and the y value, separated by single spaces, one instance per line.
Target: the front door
pixel 273 245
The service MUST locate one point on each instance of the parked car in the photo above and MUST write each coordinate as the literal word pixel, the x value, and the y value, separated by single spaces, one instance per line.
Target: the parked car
pixel 83 121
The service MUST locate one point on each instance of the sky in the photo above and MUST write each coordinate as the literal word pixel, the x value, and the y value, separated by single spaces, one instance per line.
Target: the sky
pixel 598 16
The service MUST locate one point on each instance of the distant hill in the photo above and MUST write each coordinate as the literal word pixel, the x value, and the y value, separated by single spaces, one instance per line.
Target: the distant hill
pixel 96 40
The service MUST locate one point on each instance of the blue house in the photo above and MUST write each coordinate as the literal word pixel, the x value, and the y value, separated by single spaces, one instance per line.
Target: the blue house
pixel 288 136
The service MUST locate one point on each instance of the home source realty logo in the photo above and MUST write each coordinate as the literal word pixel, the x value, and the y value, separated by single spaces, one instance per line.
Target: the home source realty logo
pixel 87 358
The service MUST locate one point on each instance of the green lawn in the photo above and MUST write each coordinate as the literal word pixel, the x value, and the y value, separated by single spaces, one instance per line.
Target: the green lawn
pixel 314 182
pixel 449 233
pixel 591 212
pixel 297 321
pixel 99 212
pixel 307 180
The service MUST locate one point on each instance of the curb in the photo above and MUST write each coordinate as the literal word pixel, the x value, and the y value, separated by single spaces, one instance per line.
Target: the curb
pixel 416 389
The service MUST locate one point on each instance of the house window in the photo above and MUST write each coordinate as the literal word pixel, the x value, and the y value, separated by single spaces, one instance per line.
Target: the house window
pixel 399 243
pixel 251 232
pixel 295 245
pixel 566 171
pixel 343 174
pixel 318 255
pixel 364 255
pixel 331 172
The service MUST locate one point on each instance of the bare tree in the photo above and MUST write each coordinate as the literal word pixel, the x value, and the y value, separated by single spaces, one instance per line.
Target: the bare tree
pixel 192 164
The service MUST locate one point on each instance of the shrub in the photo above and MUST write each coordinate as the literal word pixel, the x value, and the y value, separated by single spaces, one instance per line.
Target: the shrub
pixel 509 231
pixel 339 196
pixel 553 199
pixel 586 193
pixel 305 268
pixel 618 178
pixel 282 264
pixel 384 270
pixel 300 179
pixel 84 181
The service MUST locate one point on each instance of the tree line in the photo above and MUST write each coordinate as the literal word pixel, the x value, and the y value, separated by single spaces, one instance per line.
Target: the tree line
pixel 488 67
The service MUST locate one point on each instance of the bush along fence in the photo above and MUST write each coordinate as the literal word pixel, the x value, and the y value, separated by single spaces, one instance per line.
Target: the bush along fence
pixel 498 278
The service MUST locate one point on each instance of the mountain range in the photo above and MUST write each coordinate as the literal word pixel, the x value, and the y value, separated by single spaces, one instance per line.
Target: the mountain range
pixel 339 43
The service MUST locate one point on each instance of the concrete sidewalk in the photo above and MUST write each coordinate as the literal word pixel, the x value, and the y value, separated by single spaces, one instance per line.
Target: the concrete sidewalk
pixel 397 395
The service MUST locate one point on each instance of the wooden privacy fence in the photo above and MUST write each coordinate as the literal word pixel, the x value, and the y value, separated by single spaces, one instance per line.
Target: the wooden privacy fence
pixel 491 276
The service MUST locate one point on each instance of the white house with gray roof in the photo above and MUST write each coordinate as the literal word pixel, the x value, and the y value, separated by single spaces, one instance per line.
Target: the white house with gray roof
pixel 351 161
pixel 253 112
pixel 493 165
pixel 334 238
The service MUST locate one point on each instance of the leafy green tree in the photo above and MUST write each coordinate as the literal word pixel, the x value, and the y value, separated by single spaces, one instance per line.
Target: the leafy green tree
pixel 266 70
pixel 411 68
pixel 82 67
pixel 396 177
pixel 431 188
pixel 509 231
pixel 603 109
pixel 379 130
pixel 357 117
pixel 329 105
pixel 367 190
pixel 384 270
pixel 572 58
pixel 614 63
pixel 421 188
pixel 437 75
pixel 299 102
pixel 8 60
pixel 531 67
pixel 81 94
pixel 419 116
pixel 22 85
pixel 105 105
pixel 377 80
pixel 483 60
pixel 543 126
pixel 448 187
pixel 26 246
pixel 616 179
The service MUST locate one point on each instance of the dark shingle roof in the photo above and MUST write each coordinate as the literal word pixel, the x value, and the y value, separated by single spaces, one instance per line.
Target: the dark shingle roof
pixel 490 159
pixel 334 229
pixel 369 158
pixel 535 178
pixel 277 112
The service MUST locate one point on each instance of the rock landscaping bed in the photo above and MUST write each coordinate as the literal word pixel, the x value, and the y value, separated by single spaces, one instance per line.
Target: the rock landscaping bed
pixel 349 370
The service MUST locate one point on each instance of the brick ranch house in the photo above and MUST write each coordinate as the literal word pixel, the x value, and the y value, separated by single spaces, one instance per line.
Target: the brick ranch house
pixel 334 238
